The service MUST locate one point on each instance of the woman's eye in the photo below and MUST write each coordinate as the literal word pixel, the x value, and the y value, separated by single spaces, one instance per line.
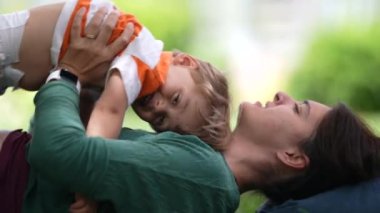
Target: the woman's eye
pixel 276 97
pixel 296 108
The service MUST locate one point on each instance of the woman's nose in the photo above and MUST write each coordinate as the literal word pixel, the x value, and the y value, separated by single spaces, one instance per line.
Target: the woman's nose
pixel 282 98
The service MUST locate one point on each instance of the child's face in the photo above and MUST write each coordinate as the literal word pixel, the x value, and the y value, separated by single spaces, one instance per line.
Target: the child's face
pixel 176 106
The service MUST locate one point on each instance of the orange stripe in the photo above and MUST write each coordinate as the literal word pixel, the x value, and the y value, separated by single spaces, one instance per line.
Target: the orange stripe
pixel 66 38
pixel 118 30
pixel 151 80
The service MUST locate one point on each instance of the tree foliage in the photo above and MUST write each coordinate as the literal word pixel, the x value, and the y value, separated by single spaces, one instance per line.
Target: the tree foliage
pixel 342 65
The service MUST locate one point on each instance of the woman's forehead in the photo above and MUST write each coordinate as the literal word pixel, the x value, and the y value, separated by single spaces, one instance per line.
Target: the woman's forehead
pixel 318 110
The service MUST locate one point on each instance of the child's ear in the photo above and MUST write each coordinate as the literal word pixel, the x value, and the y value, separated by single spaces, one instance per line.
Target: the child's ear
pixel 183 59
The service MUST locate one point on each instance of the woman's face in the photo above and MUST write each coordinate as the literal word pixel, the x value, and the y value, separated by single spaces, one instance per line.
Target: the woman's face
pixel 280 123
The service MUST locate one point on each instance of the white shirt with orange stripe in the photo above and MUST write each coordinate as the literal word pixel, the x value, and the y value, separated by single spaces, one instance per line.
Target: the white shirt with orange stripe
pixel 143 65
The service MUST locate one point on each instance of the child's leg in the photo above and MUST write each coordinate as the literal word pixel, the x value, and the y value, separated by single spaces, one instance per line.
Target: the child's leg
pixel 26 39
pixel 12 27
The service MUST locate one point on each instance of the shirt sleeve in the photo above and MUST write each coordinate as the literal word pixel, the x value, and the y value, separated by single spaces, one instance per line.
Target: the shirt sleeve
pixel 60 150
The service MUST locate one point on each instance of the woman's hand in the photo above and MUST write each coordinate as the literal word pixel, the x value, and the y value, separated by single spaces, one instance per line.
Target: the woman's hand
pixel 89 56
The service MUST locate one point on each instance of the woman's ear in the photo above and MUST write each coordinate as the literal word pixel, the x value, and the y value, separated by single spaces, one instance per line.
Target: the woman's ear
pixel 182 59
pixel 293 157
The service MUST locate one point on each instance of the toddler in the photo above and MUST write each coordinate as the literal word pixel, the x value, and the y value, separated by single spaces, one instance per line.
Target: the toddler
pixel 170 90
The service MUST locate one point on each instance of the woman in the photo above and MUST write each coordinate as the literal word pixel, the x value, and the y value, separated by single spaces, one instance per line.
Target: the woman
pixel 169 172
pixel 291 158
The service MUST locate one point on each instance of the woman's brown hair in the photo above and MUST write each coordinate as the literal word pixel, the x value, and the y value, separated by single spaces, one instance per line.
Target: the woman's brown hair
pixel 342 151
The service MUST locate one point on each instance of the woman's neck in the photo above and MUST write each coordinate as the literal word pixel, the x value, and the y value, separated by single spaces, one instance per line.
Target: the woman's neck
pixel 241 159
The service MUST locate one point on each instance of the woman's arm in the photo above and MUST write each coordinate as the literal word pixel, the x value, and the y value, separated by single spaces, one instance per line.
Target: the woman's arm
pixel 88 98
pixel 60 149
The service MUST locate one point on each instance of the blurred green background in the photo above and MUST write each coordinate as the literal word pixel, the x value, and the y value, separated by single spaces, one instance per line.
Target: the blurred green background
pixel 321 50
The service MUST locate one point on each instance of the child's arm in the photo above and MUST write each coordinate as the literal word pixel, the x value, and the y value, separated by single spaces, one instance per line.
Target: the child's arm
pixel 109 110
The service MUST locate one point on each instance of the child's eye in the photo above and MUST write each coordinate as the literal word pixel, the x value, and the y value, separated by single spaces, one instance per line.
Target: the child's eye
pixel 176 98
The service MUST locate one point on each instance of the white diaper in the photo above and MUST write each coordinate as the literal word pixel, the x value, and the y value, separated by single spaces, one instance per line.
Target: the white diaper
pixel 11 30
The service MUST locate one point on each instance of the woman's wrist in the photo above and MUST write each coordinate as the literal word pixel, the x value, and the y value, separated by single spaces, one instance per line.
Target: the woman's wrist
pixel 69 68
pixel 64 74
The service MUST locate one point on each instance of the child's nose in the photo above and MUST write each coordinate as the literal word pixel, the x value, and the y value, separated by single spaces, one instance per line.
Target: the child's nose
pixel 160 105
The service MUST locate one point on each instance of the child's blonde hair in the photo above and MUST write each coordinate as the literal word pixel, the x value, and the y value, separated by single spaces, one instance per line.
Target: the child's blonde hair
pixel 214 87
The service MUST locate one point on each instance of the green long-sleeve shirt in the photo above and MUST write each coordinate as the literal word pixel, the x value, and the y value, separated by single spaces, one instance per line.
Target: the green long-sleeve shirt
pixel 141 172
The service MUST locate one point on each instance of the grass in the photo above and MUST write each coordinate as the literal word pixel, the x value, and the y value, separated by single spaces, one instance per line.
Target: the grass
pixel 373 120
pixel 249 202
pixel 16 109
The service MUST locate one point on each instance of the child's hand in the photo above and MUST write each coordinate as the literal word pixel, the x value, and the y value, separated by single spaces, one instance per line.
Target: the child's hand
pixel 83 205
pixel 89 57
